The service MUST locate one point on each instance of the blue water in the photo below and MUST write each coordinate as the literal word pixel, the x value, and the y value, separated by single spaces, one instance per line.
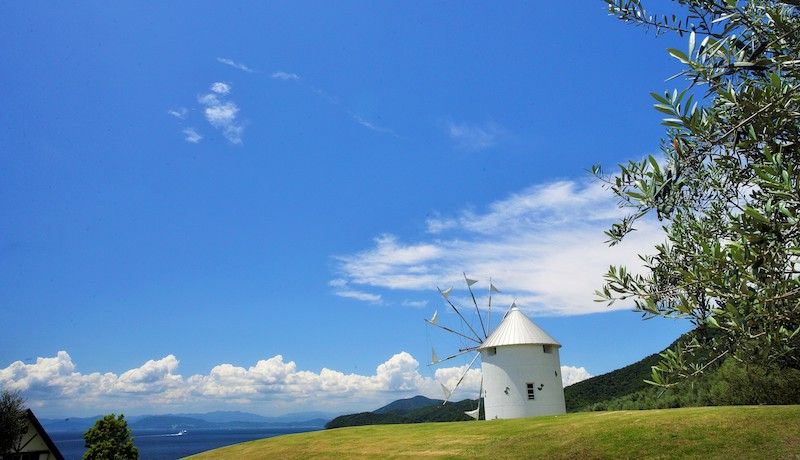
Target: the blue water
pixel 161 445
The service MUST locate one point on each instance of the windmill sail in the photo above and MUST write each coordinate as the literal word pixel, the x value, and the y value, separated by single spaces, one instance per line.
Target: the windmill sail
pixel 446 292
pixel 477 412
pixel 435 318
pixel 434 357
pixel 470 282
pixel 447 393
pixel 460 379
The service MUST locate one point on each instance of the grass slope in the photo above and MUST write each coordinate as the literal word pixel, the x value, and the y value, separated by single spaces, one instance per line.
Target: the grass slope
pixel 707 432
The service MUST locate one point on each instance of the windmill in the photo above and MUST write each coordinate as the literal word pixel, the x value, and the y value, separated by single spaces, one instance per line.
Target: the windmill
pixel 473 336
pixel 519 361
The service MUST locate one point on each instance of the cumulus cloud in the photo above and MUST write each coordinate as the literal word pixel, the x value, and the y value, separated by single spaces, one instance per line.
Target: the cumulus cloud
pixel 572 374
pixel 221 113
pixel 471 136
pixel 543 246
pixel 192 136
pixel 285 76
pixel 234 64
pixel 55 383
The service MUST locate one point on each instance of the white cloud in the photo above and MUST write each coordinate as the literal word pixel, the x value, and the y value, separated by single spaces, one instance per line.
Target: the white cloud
pixel 337 283
pixel 572 374
pixel 234 64
pixel 369 125
pixel 192 136
pixel 415 303
pixel 358 295
pixel 470 136
pixel 221 113
pixel 179 113
pixel 543 246
pixel 57 387
pixel 285 76
pixel 220 88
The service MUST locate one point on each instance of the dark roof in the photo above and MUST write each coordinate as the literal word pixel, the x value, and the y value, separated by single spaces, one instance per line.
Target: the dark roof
pixel 45 437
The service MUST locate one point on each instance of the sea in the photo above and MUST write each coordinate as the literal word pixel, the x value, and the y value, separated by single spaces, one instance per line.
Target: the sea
pixel 164 445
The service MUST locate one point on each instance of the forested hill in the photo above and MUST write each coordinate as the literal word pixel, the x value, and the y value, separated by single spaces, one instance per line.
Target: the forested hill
pixel 413 410
pixel 615 384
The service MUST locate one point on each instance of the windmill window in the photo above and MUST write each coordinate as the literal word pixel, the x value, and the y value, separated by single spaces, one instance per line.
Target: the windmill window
pixel 491 351
pixel 547 348
pixel 531 393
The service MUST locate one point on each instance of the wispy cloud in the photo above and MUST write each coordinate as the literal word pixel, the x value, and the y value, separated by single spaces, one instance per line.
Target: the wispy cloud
pixel 369 125
pixel 179 113
pixel 221 113
pixel 415 303
pixel 359 295
pixel 471 136
pixel 192 136
pixel 341 288
pixel 55 386
pixel 234 64
pixel 543 245
pixel 285 76
pixel 334 101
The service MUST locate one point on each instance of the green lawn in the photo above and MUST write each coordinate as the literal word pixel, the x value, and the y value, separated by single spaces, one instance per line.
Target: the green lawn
pixel 700 432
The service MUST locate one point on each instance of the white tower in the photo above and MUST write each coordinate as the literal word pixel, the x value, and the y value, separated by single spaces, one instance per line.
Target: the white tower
pixel 521 370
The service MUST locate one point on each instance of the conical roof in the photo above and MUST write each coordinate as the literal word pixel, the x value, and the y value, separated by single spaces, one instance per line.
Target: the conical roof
pixel 517 329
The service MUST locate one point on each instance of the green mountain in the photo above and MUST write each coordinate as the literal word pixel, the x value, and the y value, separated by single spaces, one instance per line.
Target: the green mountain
pixel 404 405
pixel 615 384
pixel 435 412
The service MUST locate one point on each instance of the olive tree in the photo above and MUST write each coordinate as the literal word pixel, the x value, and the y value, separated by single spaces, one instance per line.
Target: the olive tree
pixel 13 421
pixel 726 187
pixel 110 439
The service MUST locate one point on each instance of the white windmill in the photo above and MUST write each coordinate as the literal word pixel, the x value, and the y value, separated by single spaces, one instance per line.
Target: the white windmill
pixel 521 368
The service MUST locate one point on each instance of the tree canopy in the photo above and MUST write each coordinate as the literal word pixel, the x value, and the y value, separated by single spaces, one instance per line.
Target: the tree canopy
pixel 110 439
pixel 726 187
pixel 13 421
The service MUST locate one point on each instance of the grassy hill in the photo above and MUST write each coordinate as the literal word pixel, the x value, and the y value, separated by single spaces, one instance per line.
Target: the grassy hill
pixel 707 432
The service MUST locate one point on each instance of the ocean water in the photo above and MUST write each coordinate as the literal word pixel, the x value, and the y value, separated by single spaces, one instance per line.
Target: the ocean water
pixel 161 445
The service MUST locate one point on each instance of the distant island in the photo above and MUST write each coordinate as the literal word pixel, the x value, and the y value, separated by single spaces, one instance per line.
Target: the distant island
pixel 219 420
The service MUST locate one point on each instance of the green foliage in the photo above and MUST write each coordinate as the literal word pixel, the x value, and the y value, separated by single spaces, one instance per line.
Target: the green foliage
pixel 110 439
pixel 727 191
pixel 13 421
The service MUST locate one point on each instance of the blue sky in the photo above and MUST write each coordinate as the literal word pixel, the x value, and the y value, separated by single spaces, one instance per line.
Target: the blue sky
pixel 189 189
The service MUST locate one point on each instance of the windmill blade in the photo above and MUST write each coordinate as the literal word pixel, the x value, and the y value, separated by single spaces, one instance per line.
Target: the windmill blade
pixel 446 292
pixel 476 414
pixel 454 332
pixel 469 286
pixel 460 379
pixel 492 288
pixel 477 336
pixel 454 355
pixel 447 393
pixel 434 357
pixel 435 318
